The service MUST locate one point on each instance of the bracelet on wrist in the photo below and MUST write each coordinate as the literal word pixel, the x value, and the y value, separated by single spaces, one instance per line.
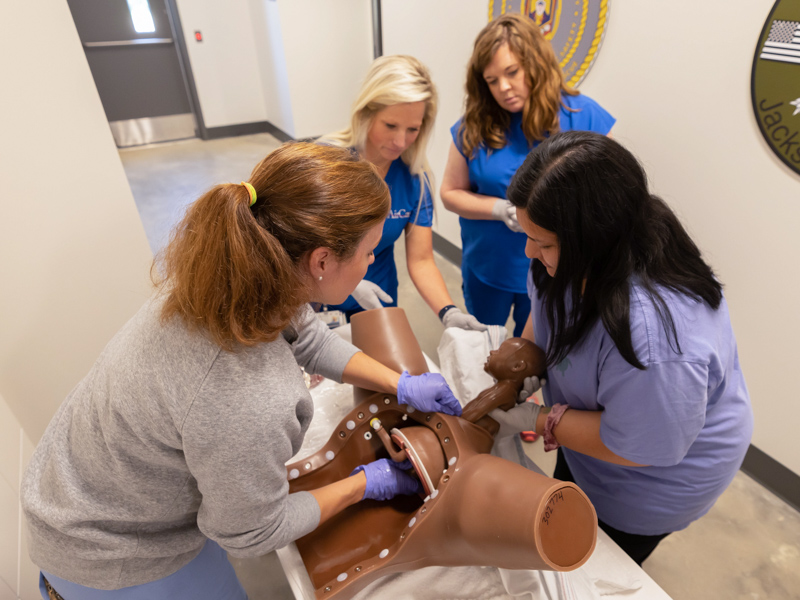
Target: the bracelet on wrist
pixel 444 310
pixel 553 418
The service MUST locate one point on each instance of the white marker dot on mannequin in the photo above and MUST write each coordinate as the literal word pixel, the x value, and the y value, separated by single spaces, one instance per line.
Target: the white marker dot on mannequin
pixel 384 553
pixel 329 455
pixel 341 577
pixel 373 408
pixel 411 409
pixel 351 425
pixel 434 493
pixel 412 521
pixel 294 474
pixel 452 461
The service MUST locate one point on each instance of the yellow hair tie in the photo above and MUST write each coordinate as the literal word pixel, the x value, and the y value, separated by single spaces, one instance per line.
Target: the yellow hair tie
pixel 252 190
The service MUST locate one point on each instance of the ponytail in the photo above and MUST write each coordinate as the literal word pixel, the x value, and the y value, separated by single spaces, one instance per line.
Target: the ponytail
pixel 237 271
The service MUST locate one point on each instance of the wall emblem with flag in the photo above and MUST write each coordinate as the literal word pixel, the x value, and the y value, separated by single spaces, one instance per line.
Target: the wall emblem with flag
pixel 775 82
pixel 574 28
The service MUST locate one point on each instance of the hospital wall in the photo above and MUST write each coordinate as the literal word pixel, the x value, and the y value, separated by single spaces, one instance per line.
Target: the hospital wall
pixel 277 60
pixel 678 81
pixel 75 260
pixel 18 575
pixel 680 87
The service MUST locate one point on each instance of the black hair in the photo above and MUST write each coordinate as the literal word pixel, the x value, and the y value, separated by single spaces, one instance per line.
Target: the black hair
pixel 592 193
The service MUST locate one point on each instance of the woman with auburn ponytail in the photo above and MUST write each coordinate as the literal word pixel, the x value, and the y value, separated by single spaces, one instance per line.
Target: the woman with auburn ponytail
pixel 171 451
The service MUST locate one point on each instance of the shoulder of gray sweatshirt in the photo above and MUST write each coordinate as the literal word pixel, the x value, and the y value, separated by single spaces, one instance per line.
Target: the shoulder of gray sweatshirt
pixel 170 440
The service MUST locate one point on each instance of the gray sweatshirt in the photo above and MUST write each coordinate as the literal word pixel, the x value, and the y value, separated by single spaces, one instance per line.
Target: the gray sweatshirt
pixel 170 440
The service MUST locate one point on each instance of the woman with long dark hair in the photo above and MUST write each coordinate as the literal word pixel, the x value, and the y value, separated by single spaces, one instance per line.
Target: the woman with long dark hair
pixel 639 343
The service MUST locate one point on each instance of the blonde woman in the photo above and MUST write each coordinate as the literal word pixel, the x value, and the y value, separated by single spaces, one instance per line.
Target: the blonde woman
pixel 390 126
pixel 516 97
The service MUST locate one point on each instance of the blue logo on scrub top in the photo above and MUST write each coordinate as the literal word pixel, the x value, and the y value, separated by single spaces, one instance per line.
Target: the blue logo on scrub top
pixel 563 366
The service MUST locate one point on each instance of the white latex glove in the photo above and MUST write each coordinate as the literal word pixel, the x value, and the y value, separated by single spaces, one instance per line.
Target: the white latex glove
pixel 530 386
pixel 369 295
pixel 520 418
pixel 455 318
pixel 506 212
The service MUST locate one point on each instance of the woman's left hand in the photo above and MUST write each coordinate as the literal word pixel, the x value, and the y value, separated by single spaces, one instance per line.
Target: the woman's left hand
pixel 387 479
pixel 455 318
pixel 428 392
pixel 530 386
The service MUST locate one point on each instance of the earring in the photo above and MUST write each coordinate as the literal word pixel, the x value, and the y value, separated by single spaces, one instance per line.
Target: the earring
pixel 320 277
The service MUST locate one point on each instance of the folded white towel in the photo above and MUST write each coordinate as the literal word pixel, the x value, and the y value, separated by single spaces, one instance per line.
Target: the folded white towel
pixel 462 355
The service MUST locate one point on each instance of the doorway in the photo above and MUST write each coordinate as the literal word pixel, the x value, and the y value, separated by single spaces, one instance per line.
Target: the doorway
pixel 133 48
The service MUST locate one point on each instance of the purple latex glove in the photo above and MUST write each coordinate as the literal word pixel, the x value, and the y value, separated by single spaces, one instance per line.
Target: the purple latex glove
pixel 428 392
pixel 386 479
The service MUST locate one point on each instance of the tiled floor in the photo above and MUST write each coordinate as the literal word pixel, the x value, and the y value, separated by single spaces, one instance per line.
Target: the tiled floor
pixel 746 548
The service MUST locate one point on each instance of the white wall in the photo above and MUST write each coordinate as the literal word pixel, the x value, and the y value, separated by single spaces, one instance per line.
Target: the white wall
pixel 271 59
pixel 75 259
pixel 19 577
pixel 442 40
pixel 679 85
pixel 328 48
pixel 295 64
pixel 687 114
pixel 225 64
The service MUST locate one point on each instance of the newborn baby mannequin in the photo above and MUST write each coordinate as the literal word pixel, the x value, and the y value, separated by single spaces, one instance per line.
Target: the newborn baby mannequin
pixel 510 364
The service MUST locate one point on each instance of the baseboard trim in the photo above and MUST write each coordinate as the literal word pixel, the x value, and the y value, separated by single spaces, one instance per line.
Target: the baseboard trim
pixel 447 249
pixel 213 133
pixel 778 479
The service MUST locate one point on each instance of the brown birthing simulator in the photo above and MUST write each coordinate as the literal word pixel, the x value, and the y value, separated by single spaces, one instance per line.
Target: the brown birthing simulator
pixel 478 509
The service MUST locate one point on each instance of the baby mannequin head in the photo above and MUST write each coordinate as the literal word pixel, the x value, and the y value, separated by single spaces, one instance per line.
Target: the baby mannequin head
pixel 514 360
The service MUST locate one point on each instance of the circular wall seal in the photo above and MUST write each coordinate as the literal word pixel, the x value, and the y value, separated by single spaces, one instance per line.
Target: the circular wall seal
pixel 575 28
pixel 775 83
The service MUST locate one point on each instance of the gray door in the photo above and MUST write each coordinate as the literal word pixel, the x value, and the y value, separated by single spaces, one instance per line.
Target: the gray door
pixel 139 74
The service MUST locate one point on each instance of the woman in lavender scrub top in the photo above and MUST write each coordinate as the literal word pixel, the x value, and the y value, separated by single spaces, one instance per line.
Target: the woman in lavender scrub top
pixel 639 343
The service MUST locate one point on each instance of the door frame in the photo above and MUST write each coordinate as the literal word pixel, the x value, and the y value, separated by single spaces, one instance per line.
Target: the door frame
pixel 186 67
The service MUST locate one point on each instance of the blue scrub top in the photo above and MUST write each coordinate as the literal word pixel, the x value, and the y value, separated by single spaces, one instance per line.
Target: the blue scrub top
pixel 686 415
pixel 491 251
pixel 406 208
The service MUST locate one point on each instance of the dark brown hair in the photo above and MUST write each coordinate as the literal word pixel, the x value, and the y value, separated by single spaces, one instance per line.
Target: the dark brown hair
pixel 612 234
pixel 485 121
pixel 237 271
